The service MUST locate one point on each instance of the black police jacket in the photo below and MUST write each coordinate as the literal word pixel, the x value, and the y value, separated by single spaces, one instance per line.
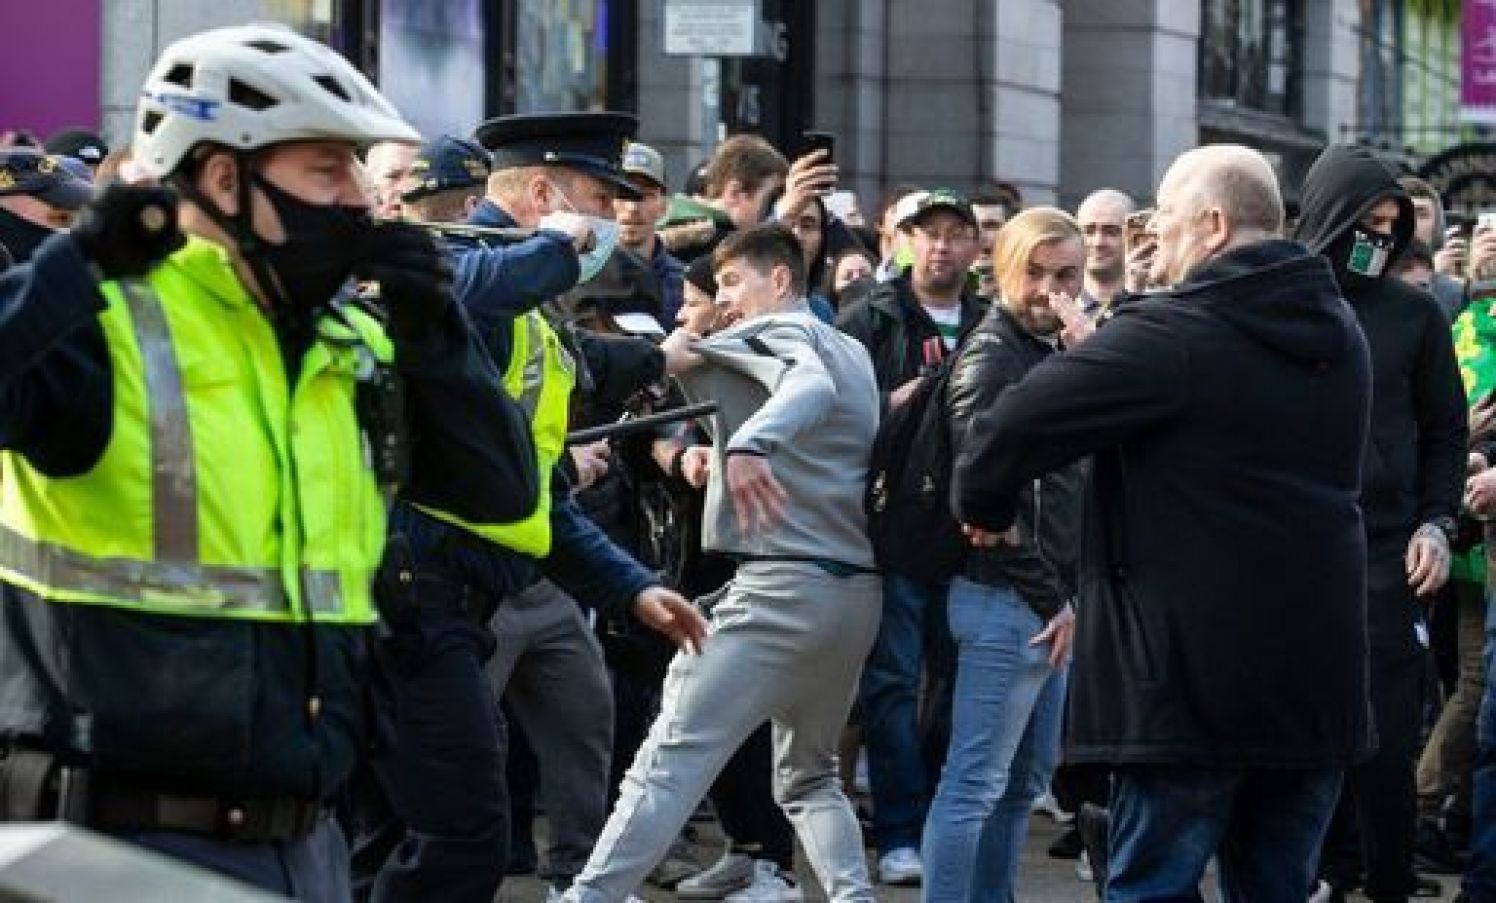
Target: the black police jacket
pixel 997 355
pixel 203 706
pixel 1222 615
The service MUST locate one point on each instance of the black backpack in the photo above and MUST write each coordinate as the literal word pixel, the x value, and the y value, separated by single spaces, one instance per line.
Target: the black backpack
pixel 908 493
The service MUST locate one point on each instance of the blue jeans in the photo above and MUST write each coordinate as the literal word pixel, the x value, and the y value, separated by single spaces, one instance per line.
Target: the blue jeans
pixel 1005 742
pixel 1480 881
pixel 890 710
pixel 1264 825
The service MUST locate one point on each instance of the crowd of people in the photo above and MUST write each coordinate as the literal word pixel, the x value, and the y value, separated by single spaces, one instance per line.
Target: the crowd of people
pixel 349 518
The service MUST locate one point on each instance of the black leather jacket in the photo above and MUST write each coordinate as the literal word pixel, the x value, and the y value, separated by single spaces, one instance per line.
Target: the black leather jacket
pixel 1042 569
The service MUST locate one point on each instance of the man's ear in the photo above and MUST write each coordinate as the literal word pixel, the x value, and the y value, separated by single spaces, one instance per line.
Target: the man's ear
pixel 1219 229
pixel 782 280
pixel 538 191
pixel 217 178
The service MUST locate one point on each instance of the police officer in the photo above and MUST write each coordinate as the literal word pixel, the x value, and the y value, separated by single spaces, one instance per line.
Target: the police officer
pixel 192 462
pixel 445 774
pixel 38 196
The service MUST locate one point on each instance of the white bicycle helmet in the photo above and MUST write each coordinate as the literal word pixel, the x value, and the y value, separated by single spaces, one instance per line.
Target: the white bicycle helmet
pixel 250 86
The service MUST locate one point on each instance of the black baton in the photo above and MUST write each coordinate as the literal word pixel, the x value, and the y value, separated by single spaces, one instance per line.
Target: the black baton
pixel 625 427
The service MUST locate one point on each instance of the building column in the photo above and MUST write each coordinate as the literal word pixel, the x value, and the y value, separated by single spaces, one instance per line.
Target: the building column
pixel 1129 90
pixel 1022 133
pixel 1332 64
pixel 671 96
pixel 135 33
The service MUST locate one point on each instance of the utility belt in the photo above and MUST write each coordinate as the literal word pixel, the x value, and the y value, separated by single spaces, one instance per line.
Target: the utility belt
pixel 439 593
pixel 402 589
pixel 37 786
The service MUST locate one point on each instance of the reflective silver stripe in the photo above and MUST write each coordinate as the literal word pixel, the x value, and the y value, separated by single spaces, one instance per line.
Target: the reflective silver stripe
pixel 322 591
pixel 173 469
pixel 154 584
pixel 532 377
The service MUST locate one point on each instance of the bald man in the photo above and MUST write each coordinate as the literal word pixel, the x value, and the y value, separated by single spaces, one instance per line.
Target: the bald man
pixel 1221 647
pixel 1103 220
pixel 387 167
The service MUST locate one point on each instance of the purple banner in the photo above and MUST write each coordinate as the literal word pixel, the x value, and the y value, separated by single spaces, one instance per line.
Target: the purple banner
pixel 1478 62
pixel 49 72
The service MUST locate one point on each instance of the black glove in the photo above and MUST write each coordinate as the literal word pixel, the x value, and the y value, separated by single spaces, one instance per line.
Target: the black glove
pixel 128 229
pixel 415 279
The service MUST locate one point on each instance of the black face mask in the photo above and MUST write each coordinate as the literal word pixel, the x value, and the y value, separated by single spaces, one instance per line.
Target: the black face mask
pixel 1360 255
pixel 323 244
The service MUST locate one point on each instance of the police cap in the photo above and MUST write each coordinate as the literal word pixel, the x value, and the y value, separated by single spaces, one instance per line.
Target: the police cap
pixel 26 170
pixel 591 143
pixel 446 163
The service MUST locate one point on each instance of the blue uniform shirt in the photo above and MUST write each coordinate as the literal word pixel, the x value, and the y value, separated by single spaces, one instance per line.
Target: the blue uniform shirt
pixel 496 283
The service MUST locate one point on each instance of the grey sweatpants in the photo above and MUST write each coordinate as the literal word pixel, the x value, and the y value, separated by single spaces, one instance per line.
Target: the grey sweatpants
pixel 787 643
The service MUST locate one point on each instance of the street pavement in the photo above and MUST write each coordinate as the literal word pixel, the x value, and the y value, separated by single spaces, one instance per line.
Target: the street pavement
pixel 1041 879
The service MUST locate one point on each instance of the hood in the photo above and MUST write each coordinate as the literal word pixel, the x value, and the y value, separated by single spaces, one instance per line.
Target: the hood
pixel 1278 294
pixel 1342 185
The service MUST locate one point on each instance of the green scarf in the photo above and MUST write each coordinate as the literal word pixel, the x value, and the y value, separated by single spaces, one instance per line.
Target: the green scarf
pixel 1475 352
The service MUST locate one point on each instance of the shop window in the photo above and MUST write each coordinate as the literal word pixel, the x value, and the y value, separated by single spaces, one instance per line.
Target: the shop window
pixel 1251 54
pixel 561 55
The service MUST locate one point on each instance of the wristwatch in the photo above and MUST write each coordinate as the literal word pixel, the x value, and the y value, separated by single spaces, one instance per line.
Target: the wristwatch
pixel 1445 525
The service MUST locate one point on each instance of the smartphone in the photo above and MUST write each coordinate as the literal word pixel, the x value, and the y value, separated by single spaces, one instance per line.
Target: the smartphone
pixel 840 204
pixel 1136 228
pixel 812 140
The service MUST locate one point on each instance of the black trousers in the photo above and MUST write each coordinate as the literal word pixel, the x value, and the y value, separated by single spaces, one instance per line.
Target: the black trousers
pixel 1379 803
pixel 440 829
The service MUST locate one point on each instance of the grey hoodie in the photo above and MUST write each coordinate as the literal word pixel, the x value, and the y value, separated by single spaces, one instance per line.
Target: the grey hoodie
pixel 803 395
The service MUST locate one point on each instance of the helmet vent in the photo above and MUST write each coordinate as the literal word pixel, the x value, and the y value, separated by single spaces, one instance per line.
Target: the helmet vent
pixel 268 46
pixel 246 96
pixel 149 122
pixel 180 74
pixel 332 85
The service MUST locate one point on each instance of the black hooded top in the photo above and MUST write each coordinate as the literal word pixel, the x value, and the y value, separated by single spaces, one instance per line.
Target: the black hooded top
pixel 1415 459
pixel 1223 559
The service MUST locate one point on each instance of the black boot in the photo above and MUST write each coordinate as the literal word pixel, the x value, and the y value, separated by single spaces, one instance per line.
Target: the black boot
pixel 1094 823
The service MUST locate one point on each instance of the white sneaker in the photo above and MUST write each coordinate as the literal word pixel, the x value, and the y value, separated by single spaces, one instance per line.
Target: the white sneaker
pixel 733 872
pixel 1324 892
pixel 901 867
pixel 770 885
pixel 1083 869
pixel 556 896
pixel 1050 806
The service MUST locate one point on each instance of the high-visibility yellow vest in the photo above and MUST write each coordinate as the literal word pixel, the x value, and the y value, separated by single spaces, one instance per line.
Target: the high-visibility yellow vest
pixel 540 376
pixel 223 492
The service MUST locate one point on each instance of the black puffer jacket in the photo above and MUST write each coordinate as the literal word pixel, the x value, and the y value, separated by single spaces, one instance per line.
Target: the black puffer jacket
pixel 893 327
pixel 997 355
